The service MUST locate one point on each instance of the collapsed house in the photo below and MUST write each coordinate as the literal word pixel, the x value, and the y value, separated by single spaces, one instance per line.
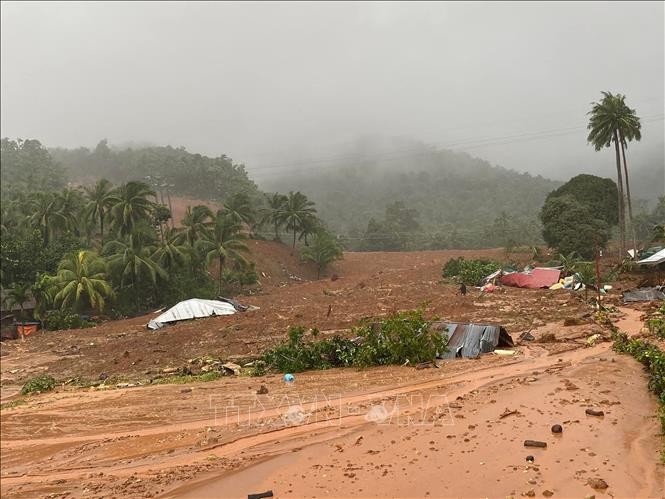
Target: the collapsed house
pixel 470 340
pixel 197 308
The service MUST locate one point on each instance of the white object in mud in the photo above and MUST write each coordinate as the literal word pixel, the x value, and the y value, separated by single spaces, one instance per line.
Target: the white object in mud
pixel 192 309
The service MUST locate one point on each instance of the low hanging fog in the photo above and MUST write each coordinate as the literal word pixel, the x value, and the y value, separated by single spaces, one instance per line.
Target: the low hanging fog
pixel 271 84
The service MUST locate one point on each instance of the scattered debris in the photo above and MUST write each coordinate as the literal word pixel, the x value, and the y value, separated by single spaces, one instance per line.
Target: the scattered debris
pixel 263 390
pixel 260 495
pixel 593 412
pixel 508 412
pixel 529 493
pixel 597 483
pixel 534 443
pixel 530 459
pixel 644 294
pixel 196 308
pixel 591 340
pixel 526 336
pixel 426 365
pixel 231 368
pixel 358 440
pixel 103 376
pixel 289 378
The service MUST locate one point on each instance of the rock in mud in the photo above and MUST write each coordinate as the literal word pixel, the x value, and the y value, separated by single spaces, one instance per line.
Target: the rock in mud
pixel 263 390
pixel 534 443
pixel 593 412
pixel 103 376
pixel 597 483
pixel 529 493
pixel 530 459
pixel 557 428
pixel 548 493
pixel 186 390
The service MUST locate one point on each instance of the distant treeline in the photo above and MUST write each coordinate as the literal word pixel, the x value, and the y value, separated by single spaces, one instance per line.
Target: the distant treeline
pixel 424 200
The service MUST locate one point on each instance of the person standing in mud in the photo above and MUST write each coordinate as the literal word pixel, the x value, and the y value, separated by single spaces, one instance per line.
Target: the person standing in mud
pixel 462 289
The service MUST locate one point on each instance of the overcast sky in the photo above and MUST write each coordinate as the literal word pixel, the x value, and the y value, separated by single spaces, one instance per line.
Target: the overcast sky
pixel 258 80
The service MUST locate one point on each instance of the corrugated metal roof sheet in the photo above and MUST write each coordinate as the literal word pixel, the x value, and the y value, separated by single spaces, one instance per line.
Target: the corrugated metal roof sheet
pixel 470 340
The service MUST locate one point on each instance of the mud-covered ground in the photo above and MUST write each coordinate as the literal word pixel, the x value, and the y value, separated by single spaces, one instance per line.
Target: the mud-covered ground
pixel 453 431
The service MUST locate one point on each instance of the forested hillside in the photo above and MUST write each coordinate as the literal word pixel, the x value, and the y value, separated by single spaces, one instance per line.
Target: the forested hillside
pixel 422 199
pixel 185 173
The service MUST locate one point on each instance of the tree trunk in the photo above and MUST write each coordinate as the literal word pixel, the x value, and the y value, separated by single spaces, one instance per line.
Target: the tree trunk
pixel 101 228
pixel 276 232
pixel 630 204
pixel 294 238
pixel 221 262
pixel 318 272
pixel 622 210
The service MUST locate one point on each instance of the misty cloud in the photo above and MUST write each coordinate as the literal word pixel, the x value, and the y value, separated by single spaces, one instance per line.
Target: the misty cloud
pixel 266 82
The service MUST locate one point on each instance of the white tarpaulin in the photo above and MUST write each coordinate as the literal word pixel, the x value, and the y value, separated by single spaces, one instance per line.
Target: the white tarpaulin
pixel 192 309
pixel 654 259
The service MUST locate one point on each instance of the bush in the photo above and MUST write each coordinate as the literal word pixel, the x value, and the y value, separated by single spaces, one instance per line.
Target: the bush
pixel 63 319
pixel 469 272
pixel 40 384
pixel 400 338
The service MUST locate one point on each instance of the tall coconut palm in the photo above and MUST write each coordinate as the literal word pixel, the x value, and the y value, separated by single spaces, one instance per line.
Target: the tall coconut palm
pixel 223 242
pixel 82 282
pixel 310 226
pixel 604 124
pixel 629 130
pixel 272 213
pixel 131 260
pixel 171 254
pixel 101 198
pixel 294 212
pixel 45 208
pixel 70 209
pixel 239 208
pixel 131 206
pixel 195 224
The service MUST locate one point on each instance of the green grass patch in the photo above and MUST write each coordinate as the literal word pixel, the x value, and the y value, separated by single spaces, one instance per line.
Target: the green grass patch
pixel 469 272
pixel 40 384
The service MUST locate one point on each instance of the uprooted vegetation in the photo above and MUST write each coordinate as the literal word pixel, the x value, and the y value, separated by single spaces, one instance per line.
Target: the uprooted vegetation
pixel 39 384
pixel 403 337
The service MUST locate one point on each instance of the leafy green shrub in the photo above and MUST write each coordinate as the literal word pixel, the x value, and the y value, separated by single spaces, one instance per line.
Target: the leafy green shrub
pixel 469 271
pixel 40 384
pixel 55 320
pixel 405 336
pixel 656 323
pixel 400 338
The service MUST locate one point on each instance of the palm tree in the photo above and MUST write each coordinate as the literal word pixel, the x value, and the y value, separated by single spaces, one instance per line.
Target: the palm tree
pixel 170 253
pixel 44 290
pixel 294 212
pixel 101 198
pixel 310 226
pixel 45 207
pixel 82 282
pixel 603 127
pixel 272 214
pixel 629 130
pixel 195 224
pixel 224 241
pixel 239 208
pixel 18 295
pixel 131 260
pixel 71 202
pixel 131 206
pixel 323 251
